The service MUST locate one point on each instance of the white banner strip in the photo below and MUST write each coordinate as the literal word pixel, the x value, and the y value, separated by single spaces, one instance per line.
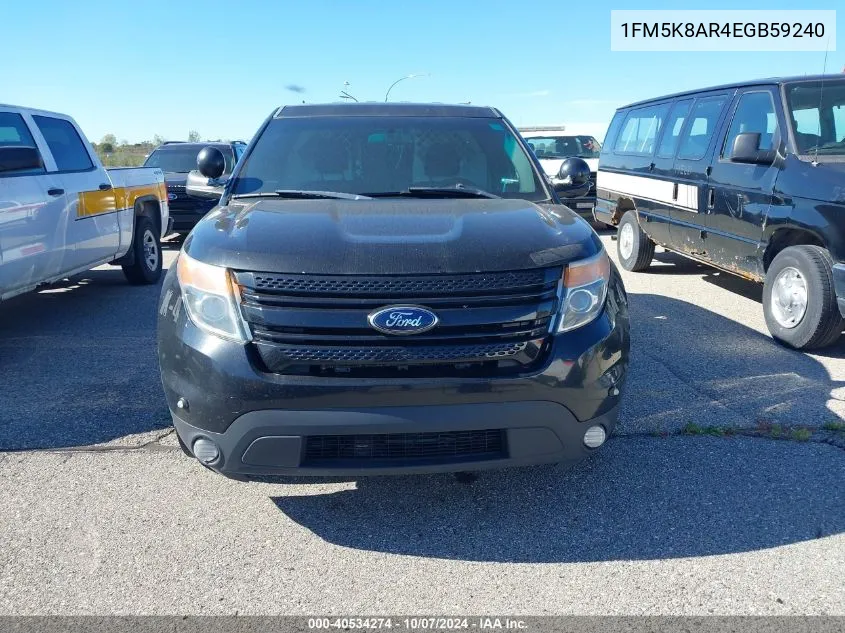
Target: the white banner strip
pixel 723 30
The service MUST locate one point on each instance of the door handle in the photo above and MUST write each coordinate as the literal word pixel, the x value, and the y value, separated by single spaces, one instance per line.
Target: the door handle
pixel 105 186
pixel 711 198
pixel 55 191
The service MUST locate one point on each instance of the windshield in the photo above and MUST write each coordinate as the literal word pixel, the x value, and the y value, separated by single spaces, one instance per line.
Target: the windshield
pixel 181 160
pixel 381 154
pixel 818 116
pixel 564 146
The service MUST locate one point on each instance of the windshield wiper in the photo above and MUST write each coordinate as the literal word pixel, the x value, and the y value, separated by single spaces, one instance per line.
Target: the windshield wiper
pixel 458 191
pixel 303 194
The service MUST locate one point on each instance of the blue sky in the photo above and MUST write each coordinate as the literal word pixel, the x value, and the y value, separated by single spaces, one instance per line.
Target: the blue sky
pixel 143 68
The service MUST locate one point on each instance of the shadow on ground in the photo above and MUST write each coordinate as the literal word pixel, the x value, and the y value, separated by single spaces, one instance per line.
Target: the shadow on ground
pixel 79 363
pixel 638 499
pixel 690 365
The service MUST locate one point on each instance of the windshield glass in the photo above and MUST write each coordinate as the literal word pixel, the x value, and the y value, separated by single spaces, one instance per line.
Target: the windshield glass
pixel 818 116
pixel 381 154
pixel 564 146
pixel 181 160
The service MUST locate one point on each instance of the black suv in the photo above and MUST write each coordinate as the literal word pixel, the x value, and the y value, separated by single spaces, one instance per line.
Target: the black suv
pixel 391 288
pixel 177 159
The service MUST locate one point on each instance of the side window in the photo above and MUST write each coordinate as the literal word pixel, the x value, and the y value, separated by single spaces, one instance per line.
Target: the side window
pixel 674 125
pixel 839 122
pixel 14 132
pixel 702 126
pixel 67 148
pixel 755 112
pixel 612 131
pixel 640 130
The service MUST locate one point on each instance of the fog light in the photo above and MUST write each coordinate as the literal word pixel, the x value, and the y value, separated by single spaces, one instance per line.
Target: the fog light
pixel 595 436
pixel 205 451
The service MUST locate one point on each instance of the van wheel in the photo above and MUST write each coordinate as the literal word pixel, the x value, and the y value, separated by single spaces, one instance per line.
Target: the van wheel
pixel 799 301
pixel 146 244
pixel 634 247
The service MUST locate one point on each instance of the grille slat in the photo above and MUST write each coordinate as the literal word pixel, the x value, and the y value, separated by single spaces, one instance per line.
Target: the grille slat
pixel 379 286
pixel 313 324
pixel 450 445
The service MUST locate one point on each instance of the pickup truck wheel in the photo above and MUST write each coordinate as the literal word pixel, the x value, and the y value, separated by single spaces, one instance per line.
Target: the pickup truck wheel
pixel 634 247
pixel 146 267
pixel 799 301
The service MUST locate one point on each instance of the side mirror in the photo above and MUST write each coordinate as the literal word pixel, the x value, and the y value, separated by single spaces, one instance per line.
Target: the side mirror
pixel 573 178
pixel 199 186
pixel 746 149
pixel 19 158
pixel 211 162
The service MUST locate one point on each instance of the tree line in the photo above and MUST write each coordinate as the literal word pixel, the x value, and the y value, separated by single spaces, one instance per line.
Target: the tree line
pixel 125 154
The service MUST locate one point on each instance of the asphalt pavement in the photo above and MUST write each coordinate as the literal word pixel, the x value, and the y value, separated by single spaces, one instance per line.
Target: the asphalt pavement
pixel 721 493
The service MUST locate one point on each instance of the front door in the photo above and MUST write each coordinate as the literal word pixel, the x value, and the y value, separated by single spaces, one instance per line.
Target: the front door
pixel 30 202
pixel 742 193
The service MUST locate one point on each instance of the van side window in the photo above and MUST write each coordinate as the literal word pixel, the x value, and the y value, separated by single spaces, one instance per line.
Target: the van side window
pixel 702 126
pixel 639 133
pixel 67 148
pixel 674 125
pixel 613 130
pixel 755 112
pixel 14 132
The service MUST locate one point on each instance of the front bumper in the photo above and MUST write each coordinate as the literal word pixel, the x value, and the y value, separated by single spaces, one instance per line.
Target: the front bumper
pixel 261 422
pixel 582 206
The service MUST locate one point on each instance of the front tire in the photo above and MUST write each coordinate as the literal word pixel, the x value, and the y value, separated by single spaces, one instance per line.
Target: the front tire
pixel 634 248
pixel 147 261
pixel 799 300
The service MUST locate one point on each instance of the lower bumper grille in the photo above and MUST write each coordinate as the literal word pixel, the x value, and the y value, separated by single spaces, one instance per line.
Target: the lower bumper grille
pixel 448 446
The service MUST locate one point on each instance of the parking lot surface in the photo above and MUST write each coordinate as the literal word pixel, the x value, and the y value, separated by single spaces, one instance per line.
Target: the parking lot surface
pixel 721 493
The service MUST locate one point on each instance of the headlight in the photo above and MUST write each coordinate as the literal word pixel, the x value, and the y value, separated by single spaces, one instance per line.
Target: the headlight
pixel 585 289
pixel 209 295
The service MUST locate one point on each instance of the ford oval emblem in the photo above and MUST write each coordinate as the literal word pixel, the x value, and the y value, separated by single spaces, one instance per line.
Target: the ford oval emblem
pixel 403 320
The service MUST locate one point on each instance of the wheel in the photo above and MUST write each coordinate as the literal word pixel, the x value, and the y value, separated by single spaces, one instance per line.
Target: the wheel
pixel 146 244
pixel 799 301
pixel 634 247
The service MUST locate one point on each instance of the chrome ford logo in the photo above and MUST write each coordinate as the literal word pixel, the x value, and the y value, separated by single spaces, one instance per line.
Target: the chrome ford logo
pixel 402 320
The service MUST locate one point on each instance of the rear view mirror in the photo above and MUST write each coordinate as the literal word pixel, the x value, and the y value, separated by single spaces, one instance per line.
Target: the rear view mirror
pixel 211 162
pixel 746 149
pixel 573 178
pixel 19 158
pixel 200 186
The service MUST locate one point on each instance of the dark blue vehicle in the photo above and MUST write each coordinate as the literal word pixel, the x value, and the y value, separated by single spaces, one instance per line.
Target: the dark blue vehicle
pixel 177 159
pixel 749 178
pixel 390 288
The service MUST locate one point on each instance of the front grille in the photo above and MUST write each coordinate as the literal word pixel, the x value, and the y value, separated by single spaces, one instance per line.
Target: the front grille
pixel 445 446
pixel 490 323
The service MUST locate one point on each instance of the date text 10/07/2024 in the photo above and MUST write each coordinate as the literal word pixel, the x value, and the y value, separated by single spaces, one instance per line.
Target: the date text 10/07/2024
pixel 419 623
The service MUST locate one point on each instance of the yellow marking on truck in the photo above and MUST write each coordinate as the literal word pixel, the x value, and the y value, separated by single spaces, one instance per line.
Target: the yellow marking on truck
pixel 92 203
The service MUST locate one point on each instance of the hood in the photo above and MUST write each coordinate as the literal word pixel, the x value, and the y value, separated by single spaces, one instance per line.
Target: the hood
pixel 552 165
pixel 395 236
pixel 824 182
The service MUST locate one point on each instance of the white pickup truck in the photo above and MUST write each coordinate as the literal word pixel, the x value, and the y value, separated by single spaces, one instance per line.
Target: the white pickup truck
pixel 62 212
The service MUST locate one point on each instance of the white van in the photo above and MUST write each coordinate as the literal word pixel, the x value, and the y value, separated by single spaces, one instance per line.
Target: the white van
pixel 62 212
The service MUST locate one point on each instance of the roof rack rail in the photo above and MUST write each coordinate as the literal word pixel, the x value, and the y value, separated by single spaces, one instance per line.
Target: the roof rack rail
pixel 541 128
pixel 172 142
